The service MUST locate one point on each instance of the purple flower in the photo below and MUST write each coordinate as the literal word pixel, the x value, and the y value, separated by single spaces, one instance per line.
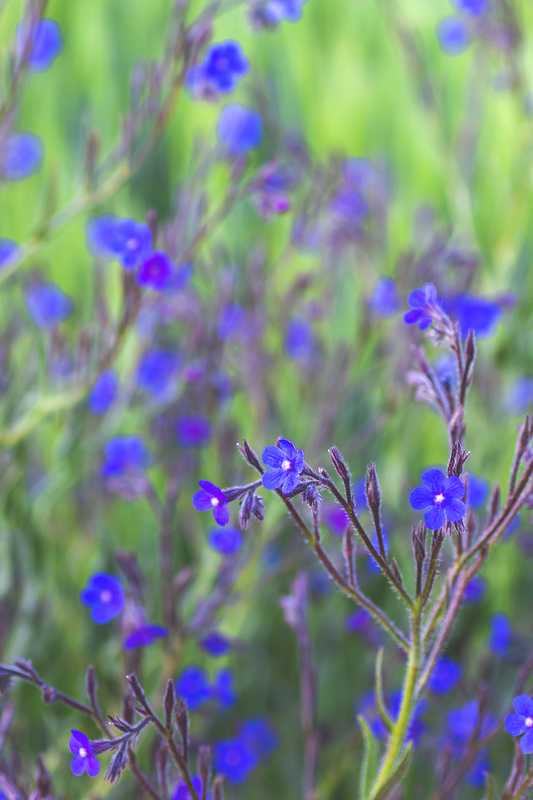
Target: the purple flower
pixel 234 759
pixel 286 464
pixel 126 240
pixel 445 676
pixel 270 190
pixel 385 299
pixel 474 7
pixel 423 304
pixel 83 759
pixel 156 272
pixel 193 431
pixel 299 340
pixel 212 498
pixel 475 589
pixel 215 644
pixel 462 722
pixel 182 790
pixel 478 773
pixel 239 129
pixel 23 154
pixel 226 541
pixel 124 454
pixel 193 687
pixel 143 636
pixel 520 723
pixel 269 13
pixel 48 305
pixel 500 635
pixel 259 737
pixel 105 597
pixel 443 497
pixel 473 313
pixel 335 518
pixel 477 491
pixel 156 371
pixel 8 252
pixel 223 690
pixel 103 393
pixel 453 35
pixel 231 320
pixel 46 45
pixel 220 71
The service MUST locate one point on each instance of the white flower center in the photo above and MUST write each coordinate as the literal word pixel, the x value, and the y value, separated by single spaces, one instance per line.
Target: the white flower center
pixel 285 464
pixel 131 244
pixel 105 596
pixel 215 501
pixel 529 722
pixel 439 498
pixel 82 752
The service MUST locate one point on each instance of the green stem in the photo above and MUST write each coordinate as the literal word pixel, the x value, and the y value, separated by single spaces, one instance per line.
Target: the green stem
pixel 398 734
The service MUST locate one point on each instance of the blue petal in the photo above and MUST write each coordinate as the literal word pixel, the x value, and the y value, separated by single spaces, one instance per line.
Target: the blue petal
pixel 455 510
pixel 435 479
pixel 515 724
pixel 421 498
pixel 288 448
pixel 526 742
pixel 434 519
pixel 221 514
pixel 273 456
pixel 455 488
pixel 290 483
pixel 523 705
pixel 417 298
pixel 273 478
pixel 201 501
pixel 412 317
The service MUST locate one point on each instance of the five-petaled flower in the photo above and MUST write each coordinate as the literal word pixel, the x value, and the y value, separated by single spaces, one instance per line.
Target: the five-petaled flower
pixel 212 498
pixel 423 304
pixel 105 597
pixel 442 496
pixel 286 463
pixel 83 759
pixel 521 722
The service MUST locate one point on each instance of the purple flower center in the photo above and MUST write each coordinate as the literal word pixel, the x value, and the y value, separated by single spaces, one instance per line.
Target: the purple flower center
pixel 286 465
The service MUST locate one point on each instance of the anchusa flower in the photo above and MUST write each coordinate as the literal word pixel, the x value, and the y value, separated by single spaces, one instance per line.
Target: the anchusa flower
pixel 520 722
pixel 501 634
pixel 453 35
pixel 215 644
pixel 144 635
pixel 474 7
pixel 22 155
pixel 105 597
pixel 226 541
pixel 182 790
pixel 219 73
pixel 193 431
pixel 285 463
pixel 126 240
pixel 477 491
pixel 46 44
pixel 193 686
pixel 442 496
pixel 259 736
pixel 462 722
pixel 269 13
pixel 234 759
pixel 473 313
pixel 239 130
pixel 83 757
pixel 48 305
pixel 156 372
pixel 124 454
pixel 223 690
pixel 9 250
pixel 424 305
pixel 156 272
pixel 104 393
pixel 475 590
pixel 299 340
pixel 211 498
pixel 445 676
pixel 384 300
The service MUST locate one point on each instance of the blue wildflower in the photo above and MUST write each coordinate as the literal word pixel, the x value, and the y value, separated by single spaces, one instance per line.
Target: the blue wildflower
pixel 105 597
pixel 193 687
pixel 222 68
pixel 474 7
pixel 193 431
pixel 223 690
pixel 442 495
pixel 478 773
pixel 156 371
pixel 211 498
pixel 234 759
pixel 453 35
pixel 9 250
pixel 231 320
pixel 269 13
pixel 477 491
pixel 445 676
pixel 48 305
pixel 473 313
pixel 299 340
pixel 475 589
pixel 84 759
pixel 423 304
pixel 156 272
pixel 384 300
pixel 359 621
pixel 462 722
pixel 239 129
pixel 226 541
pixel 46 45
pixel 104 393
pixel 286 463
pixel 259 737
pixel 335 518
pixel 23 154
pixel 143 636
pixel 126 240
pixel 520 397
pixel 215 644
pixel 124 454
pixel 520 722
pixel 500 634
pixel 182 790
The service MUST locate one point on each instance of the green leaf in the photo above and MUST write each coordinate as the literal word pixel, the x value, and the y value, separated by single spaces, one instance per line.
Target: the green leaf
pixel 491 788
pixel 400 771
pixel 369 763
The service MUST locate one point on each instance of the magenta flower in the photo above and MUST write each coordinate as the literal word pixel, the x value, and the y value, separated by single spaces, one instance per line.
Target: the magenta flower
pixel 83 759
pixel 212 498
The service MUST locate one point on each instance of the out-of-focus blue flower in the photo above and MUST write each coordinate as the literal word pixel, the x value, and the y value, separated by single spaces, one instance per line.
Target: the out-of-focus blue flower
pixel 477 775
pixel 269 13
pixel 271 190
pixel 48 305
pixel 223 690
pixel 520 398
pixel 359 621
pixel 156 271
pixel 512 527
pixel 373 565
pixel 219 73
pixel 234 759
pixel 215 644
pixel 285 464
pixel 475 589
pixel 105 597
pixel 193 431
pixel 259 737
pixel 474 7
pixel 477 491
pixel 442 495
pixel 193 687
pixel 143 636
pixel 445 676
pixel 23 154
pixel 335 518
pixel 423 303
pixel 83 757
pixel 473 313
pixel 124 454
pixel 520 722
pixel 299 340
pixel 231 320
pixel 226 541
pixel 46 45
pixel 211 498
pixel 126 240
pixel 446 370
pixel 500 634
pixel 239 129
pixel 385 300
pixel 104 393
pixel 462 722
pixel 8 251
pixel 453 35
pixel 182 790
pixel 156 371
pixel 367 708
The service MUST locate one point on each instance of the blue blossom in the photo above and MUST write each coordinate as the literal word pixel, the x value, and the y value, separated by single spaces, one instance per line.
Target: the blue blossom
pixel 104 393
pixel 211 498
pixel 520 722
pixel 23 154
pixel 335 518
pixel 182 790
pixel 46 45
pixel 520 398
pixel 226 541
pixel 259 737
pixel 221 70
pixel 473 313
pixel 477 775
pixel 299 340
pixel 9 250
pixel 359 621
pixel 156 272
pixel 442 495
pixel 231 320
pixel 83 757
pixel 423 303
pixel 462 722
pixel 105 597
pixel 239 129
pixel 144 635
pixel 126 240
pixel 124 454
pixel 477 491
pixel 193 431
pixel 215 644
pixel 500 634
pixel 285 464
pixel 269 13
pixel 271 190
pixel 475 589
pixel 453 35
pixel 223 690
pixel 445 676
pixel 156 371
pixel 234 759
pixel 474 7
pixel 48 305
pixel 384 300
pixel 192 686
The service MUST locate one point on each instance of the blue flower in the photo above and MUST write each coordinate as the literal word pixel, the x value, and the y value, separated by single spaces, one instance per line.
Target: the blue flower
pixel 423 304
pixel 104 393
pixel 269 13
pixel 48 305
pixel 239 129
pixel 156 272
pixel 445 676
pixel 259 737
pixel 477 775
pixel 462 722
pixel 521 395
pixel 475 589
pixel 220 71
pixel 231 320
pixel 156 371
pixel 473 313
pixel 453 35
pixel 46 45
pixel 384 300
pixel 477 491
pixel 500 634
pixel 335 518
pixel 234 759
pixel 193 687
pixel 211 498
pixel 182 790
pixel 124 454
pixel 143 636
pixel 474 7
pixel 359 621
pixel 82 751
pixel 520 723
pixel 105 597
pixel 215 644
pixel 443 497
pixel 226 541
pixel 9 250
pixel 23 154
pixel 299 340
pixel 286 463
pixel 193 431
pixel 223 690
pixel 126 240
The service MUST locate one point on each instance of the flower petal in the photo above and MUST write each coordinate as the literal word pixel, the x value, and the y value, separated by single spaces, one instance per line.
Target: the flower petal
pixel 417 298
pixel 435 518
pixel 515 724
pixel 221 514
pixel 201 501
pixel 209 488
pixel 273 478
pixel 273 456
pixel 526 742
pixel 421 498
pixel 435 479
pixel 77 766
pixel 455 510
pixel 287 447
pixel 93 767
pixel 412 317
pixel 523 704
pixel 455 488
pixel 290 483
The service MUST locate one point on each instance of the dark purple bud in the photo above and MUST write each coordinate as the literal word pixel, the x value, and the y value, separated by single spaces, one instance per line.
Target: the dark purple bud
pixel 373 491
pixel 170 699
pixel 245 510
pixel 118 763
pixel 339 463
pixel 494 504
pixel 249 455
pixel 311 496
pixel 182 719
pixel 139 694
pixel 259 508
pixel 418 541
pixel 204 764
